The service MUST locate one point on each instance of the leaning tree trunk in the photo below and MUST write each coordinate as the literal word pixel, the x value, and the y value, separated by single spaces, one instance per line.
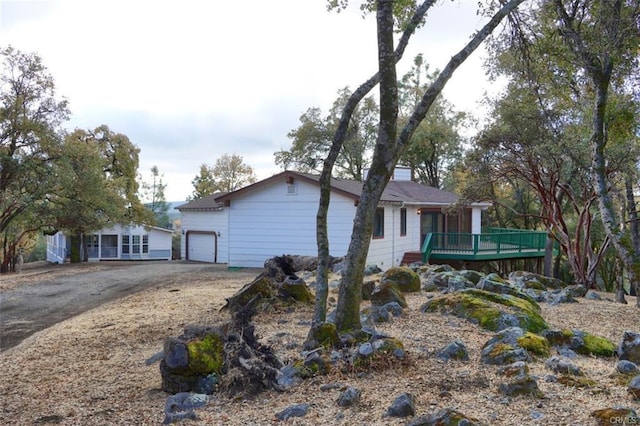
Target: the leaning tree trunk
pixel 322 286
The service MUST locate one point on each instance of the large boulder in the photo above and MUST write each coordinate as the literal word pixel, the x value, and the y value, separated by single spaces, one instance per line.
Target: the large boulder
pixel 580 342
pixel 407 280
pixel 491 311
pixel 387 292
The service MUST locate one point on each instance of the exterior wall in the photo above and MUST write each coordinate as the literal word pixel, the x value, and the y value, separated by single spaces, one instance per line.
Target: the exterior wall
pixel 272 222
pixel 389 250
pixel 159 245
pixel 207 221
pixel 56 248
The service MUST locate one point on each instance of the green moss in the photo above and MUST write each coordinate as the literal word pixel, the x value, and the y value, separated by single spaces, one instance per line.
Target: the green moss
pixel 486 308
pixel 499 349
pixel 577 382
pixel 326 334
pixel 206 355
pixel 535 344
pixel 598 346
pixel 406 279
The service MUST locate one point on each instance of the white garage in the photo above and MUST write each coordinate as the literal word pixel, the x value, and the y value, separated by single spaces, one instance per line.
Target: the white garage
pixel 202 246
pixel 204 230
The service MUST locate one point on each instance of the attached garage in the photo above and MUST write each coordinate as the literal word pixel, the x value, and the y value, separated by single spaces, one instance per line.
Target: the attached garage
pixel 202 246
pixel 205 224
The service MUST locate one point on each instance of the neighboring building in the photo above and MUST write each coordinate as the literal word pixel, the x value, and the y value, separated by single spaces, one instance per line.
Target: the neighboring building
pixel 277 216
pixel 135 242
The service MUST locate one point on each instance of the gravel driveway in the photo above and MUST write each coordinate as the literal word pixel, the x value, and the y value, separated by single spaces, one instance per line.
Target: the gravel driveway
pixel 29 308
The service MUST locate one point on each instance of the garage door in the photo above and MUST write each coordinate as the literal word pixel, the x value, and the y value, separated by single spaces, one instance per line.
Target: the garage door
pixel 201 247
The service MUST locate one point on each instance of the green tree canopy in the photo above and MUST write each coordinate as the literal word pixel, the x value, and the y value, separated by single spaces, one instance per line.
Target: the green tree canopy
pixel 228 174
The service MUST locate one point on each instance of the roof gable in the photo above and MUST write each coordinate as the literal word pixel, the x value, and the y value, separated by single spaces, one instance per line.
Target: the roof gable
pixel 399 191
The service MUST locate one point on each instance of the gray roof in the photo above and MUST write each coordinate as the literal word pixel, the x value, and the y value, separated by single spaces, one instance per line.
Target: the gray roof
pixel 397 191
pixel 205 203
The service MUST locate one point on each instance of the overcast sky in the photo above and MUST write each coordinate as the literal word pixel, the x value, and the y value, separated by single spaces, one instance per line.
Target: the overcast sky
pixel 188 81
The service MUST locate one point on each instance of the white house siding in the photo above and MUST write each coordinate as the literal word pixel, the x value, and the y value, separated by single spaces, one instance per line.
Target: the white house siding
pixel 159 243
pixel 270 222
pixel 388 251
pixel 56 248
pixel 197 223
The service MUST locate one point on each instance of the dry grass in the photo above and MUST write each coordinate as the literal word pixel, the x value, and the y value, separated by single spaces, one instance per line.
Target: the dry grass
pixel 90 370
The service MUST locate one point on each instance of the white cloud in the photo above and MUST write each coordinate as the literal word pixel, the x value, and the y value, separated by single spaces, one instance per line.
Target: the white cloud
pixel 189 81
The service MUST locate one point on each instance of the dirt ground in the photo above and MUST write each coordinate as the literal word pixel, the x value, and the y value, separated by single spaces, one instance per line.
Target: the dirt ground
pixel 91 370
pixel 45 294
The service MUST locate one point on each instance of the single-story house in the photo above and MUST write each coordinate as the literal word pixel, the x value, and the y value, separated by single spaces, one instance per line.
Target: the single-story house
pixel 277 216
pixel 118 242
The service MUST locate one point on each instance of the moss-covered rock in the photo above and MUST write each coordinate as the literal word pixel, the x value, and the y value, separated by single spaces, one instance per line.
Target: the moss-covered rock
pixel 407 280
pixel 577 382
pixel 530 280
pixel 521 386
pixel 206 355
pixel 535 344
pixel 386 292
pixel 262 287
pixel 324 334
pixel 581 342
pixel 618 416
pixel 489 310
pixel 503 348
pixel 444 417
pixel 296 290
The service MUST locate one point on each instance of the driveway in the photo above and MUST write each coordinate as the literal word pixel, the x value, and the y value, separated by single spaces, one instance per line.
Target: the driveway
pixel 50 297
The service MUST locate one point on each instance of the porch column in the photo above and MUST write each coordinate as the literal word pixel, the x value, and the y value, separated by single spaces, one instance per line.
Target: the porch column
pixel 476 220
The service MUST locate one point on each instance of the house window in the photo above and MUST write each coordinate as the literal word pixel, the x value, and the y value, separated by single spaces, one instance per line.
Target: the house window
pixel 378 224
pixel 403 221
pixel 125 244
pixel 135 244
pixel 292 189
pixel 145 244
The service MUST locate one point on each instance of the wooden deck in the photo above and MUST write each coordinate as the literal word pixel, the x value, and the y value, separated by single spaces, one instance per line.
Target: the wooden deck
pixel 497 244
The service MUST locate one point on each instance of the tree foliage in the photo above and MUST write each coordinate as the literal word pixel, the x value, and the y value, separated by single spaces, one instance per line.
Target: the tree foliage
pixel 96 184
pixel 228 174
pixel 312 139
pixel 30 118
pixel 155 200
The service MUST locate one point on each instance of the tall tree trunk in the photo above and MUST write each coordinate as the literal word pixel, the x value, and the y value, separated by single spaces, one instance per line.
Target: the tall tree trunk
pixel 322 285
pixel 350 292
pixel 634 228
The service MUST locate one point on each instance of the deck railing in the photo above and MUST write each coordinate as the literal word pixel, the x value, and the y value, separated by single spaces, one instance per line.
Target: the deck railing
pixel 495 241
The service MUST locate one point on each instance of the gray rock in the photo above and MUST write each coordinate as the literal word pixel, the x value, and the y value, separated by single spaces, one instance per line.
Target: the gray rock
pixel 627 367
pixel 634 387
pixel 372 270
pixel 394 309
pixel 629 348
pixel 365 349
pixel 592 296
pixel 402 406
pixel 516 369
pixel 563 366
pixel 181 406
pixel 503 348
pixel 298 410
pixel 287 377
pixel 524 385
pixel 455 350
pixel 349 397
